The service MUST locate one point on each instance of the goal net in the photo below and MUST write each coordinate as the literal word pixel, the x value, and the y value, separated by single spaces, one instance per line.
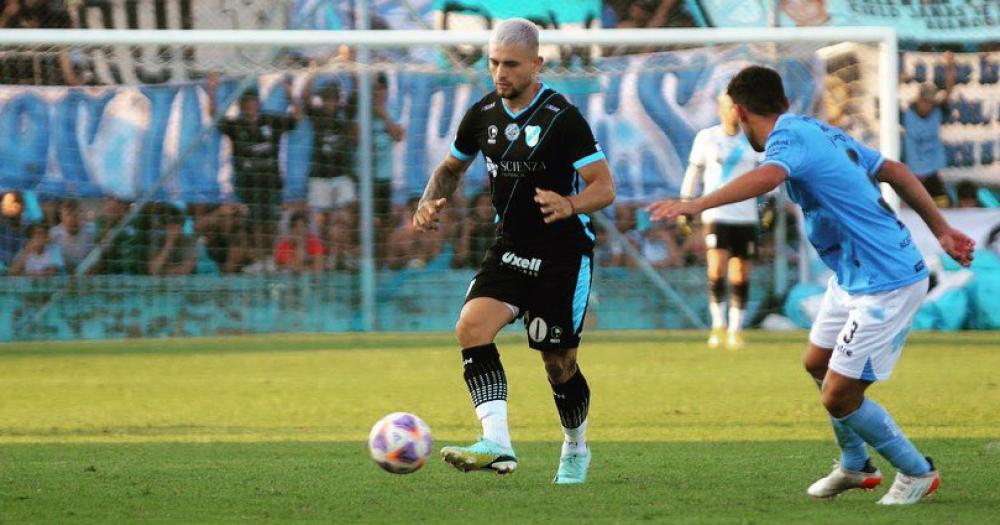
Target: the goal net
pixel 131 208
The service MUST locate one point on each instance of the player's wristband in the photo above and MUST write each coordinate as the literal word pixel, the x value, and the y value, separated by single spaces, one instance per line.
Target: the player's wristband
pixel 571 206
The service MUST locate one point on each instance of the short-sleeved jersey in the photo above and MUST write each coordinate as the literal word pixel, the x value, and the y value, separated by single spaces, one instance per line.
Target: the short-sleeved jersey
pixel 923 150
pixel 722 157
pixel 540 146
pixel 255 144
pixel 833 178
pixel 332 143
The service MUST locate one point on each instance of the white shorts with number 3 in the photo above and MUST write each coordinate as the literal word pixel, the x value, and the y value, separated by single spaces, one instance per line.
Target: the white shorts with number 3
pixel 866 332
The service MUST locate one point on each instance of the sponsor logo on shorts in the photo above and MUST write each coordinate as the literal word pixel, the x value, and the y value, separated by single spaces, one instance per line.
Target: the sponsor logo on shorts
pixel 919 266
pixel 523 264
pixel 538 329
pixel 555 335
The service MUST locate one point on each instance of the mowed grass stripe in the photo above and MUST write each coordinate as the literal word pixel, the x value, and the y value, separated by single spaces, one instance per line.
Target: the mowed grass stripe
pixel 721 482
pixel 648 386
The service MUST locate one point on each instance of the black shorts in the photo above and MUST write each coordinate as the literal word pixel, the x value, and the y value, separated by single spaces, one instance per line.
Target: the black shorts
pixel 740 240
pixel 551 293
pixel 933 184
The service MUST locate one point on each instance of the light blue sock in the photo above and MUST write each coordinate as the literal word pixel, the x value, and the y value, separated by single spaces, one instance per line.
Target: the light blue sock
pixel 853 451
pixel 878 429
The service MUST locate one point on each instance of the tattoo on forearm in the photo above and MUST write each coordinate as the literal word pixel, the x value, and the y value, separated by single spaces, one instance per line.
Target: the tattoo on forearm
pixel 442 184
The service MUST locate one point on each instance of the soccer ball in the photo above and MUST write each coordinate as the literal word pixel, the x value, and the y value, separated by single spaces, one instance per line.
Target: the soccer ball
pixel 400 443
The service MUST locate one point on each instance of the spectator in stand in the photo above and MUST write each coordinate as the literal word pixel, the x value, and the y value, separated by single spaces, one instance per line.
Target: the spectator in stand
pixel 171 250
pixel 332 179
pixel 625 223
pixel 39 257
pixel 126 253
pixel 343 241
pixel 223 234
pixel 659 245
pixel 385 132
pixel 478 232
pixel 967 193
pixel 923 150
pixel 257 178
pixel 300 251
pixel 13 232
pixel 74 237
pixel 37 68
pixel 409 249
pixel 648 14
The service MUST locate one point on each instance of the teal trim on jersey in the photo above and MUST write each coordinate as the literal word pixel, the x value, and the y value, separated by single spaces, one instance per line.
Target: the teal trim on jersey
pixel 542 138
pixel 458 154
pixel 585 219
pixel 525 108
pixel 589 159
pixel 581 294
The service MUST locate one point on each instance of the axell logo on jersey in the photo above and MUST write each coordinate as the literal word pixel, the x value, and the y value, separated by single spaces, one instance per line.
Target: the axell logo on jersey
pixel 526 265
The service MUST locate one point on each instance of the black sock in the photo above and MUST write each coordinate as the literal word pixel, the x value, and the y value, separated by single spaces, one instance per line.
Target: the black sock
pixel 716 289
pixel 572 400
pixel 484 374
pixel 738 295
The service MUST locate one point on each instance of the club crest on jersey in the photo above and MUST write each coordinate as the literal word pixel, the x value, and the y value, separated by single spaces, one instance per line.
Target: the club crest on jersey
pixel 491 135
pixel 531 134
pixel 512 132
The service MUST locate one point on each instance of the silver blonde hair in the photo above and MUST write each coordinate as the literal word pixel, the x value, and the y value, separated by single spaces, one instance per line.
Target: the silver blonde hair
pixel 515 31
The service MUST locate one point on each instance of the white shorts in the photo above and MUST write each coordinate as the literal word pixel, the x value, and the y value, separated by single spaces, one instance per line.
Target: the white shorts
pixel 331 194
pixel 866 332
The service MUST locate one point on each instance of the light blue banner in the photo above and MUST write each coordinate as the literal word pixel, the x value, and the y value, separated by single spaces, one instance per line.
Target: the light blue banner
pixel 645 111
pixel 941 20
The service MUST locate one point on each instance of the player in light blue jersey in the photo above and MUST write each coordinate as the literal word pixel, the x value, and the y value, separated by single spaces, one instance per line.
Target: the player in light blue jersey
pixel 880 280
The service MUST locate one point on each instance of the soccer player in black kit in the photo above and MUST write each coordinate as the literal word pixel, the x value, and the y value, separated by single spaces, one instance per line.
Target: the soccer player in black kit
pixel 537 148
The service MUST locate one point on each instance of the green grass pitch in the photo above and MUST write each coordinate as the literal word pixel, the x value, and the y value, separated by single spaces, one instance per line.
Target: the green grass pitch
pixel 273 429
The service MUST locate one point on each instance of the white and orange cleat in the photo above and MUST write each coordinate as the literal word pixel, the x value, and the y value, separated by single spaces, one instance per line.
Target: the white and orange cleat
pixel 907 489
pixel 842 480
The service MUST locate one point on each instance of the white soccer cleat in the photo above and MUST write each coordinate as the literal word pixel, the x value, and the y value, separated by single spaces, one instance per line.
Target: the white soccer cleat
pixel 734 341
pixel 907 490
pixel 842 480
pixel 716 337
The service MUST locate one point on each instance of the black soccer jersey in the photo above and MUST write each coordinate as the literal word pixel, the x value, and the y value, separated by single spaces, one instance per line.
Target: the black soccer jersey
pixel 540 146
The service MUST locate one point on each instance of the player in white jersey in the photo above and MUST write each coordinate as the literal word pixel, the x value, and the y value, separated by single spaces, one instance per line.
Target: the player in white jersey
pixel 719 154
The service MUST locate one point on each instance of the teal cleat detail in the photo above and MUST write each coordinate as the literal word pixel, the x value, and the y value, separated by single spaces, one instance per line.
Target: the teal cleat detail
pixel 481 455
pixel 572 468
